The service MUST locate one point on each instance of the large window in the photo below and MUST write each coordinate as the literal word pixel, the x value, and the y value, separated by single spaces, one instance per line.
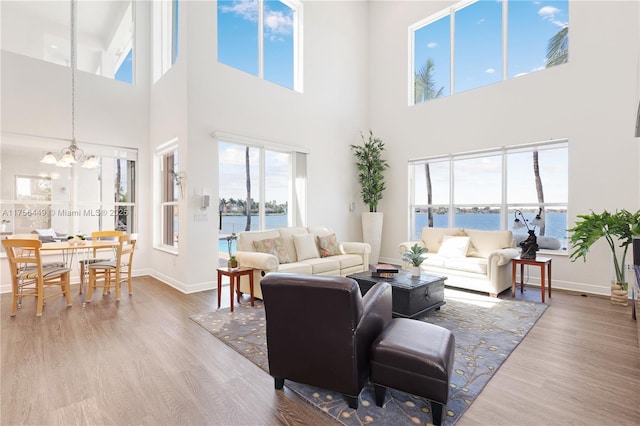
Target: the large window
pixel 72 199
pixel 484 190
pixel 165 36
pixel 261 186
pixel 263 38
pixel 171 190
pixel 476 43
pixel 104 31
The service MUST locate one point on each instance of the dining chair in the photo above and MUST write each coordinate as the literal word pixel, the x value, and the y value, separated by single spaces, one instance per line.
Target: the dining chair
pixel 97 236
pixel 29 277
pixel 58 264
pixel 114 272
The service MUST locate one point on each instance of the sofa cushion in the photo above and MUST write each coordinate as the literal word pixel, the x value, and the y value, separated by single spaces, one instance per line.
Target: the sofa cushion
pixel 454 246
pixel 432 237
pixel 296 268
pixel 305 246
pixel 486 242
pixel 477 265
pixel 328 245
pixel 348 260
pixel 273 246
pixel 322 265
pixel 435 261
pixel 287 237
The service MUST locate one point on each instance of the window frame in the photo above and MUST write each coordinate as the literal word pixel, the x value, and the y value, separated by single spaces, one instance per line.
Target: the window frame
pixel 505 206
pixel 297 36
pixel 165 15
pixel 451 12
pixel 69 210
pixel 164 185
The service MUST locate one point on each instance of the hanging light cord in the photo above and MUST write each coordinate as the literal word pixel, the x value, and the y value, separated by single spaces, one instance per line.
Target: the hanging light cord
pixel 74 65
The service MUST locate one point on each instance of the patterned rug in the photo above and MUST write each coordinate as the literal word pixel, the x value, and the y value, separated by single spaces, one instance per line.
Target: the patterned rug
pixel 487 330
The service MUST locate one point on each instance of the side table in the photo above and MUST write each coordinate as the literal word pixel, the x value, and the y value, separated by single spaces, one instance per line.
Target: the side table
pixel 538 261
pixel 234 275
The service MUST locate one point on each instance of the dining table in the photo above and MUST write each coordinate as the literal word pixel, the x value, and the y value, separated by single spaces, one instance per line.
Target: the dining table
pixel 81 251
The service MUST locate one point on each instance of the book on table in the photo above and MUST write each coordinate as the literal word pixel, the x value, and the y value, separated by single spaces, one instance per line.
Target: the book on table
pixel 385 268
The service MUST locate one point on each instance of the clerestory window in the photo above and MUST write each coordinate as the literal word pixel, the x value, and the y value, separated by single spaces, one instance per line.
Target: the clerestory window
pixel 476 43
pixel 262 38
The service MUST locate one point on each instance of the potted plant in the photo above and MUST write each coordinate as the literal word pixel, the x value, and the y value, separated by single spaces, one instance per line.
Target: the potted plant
pixel 371 167
pixel 618 230
pixel 415 256
pixel 5 222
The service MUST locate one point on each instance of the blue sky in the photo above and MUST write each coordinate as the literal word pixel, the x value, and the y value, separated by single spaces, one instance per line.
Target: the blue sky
pixel 238 38
pixel 478 41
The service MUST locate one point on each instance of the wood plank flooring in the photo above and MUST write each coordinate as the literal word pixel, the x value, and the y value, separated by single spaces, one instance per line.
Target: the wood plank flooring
pixel 143 361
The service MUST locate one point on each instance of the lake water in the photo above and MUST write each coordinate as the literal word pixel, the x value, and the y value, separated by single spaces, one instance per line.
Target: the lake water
pixel 556 224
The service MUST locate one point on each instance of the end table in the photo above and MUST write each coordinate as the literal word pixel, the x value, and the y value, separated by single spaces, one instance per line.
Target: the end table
pixel 538 261
pixel 234 275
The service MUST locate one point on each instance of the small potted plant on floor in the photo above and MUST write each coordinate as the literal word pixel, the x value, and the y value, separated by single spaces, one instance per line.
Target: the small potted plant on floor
pixel 415 256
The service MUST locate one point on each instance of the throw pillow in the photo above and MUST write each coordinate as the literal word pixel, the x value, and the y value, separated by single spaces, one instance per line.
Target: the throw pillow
pixel 306 246
pixel 454 246
pixel 328 245
pixel 472 250
pixel 273 246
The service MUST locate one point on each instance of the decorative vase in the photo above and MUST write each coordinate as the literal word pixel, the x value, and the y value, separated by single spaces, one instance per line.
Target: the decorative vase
pixel 619 296
pixel 372 233
pixel 415 271
pixel 232 263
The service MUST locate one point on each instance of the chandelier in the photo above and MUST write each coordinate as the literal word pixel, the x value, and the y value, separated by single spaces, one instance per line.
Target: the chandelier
pixel 72 154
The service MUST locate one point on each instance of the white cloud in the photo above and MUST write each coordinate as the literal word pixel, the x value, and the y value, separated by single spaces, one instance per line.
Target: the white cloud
pixel 481 21
pixel 278 23
pixel 548 12
pixel 247 9
pixel 432 45
pixel 490 71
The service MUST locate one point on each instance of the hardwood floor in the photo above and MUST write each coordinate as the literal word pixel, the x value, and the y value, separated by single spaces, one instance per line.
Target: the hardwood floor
pixel 143 361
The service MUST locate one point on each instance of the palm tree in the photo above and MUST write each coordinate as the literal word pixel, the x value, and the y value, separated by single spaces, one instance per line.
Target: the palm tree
pixel 248 208
pixel 539 191
pixel 427 174
pixel 558 48
pixel 425 86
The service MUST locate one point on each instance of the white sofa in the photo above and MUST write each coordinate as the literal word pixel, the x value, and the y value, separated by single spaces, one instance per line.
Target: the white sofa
pixel 470 259
pixel 298 250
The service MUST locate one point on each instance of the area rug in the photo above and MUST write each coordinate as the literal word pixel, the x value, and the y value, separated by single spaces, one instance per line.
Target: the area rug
pixel 486 329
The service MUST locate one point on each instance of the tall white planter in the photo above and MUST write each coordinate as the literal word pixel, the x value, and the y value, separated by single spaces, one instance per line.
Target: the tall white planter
pixel 372 233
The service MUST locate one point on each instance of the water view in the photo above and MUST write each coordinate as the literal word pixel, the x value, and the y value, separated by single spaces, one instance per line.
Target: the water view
pixel 555 225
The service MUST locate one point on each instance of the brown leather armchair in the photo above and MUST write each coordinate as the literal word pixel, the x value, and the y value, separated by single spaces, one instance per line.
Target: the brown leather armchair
pixel 320 330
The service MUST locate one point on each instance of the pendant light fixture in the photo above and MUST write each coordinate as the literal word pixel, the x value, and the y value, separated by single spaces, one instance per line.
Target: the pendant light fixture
pixel 73 153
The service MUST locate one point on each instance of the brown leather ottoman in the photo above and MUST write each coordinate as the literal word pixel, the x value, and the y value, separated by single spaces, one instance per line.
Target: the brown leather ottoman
pixel 414 357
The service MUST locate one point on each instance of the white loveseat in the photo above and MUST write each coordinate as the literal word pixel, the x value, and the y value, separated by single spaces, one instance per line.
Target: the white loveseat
pixel 313 251
pixel 469 258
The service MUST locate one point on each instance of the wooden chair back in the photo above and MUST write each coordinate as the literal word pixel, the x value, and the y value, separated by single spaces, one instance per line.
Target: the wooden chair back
pixel 29 277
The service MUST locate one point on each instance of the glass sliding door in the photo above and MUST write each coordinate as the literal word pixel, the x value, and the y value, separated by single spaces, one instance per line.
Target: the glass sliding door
pixel 254 191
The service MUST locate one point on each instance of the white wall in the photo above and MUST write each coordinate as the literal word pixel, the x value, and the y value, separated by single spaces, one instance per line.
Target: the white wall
pixel 199 96
pixel 591 101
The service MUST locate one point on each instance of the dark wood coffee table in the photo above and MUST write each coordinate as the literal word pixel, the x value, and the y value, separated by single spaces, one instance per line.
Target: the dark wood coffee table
pixel 412 296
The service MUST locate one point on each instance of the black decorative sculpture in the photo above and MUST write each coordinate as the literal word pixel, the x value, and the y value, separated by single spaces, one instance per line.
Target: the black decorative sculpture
pixel 530 245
